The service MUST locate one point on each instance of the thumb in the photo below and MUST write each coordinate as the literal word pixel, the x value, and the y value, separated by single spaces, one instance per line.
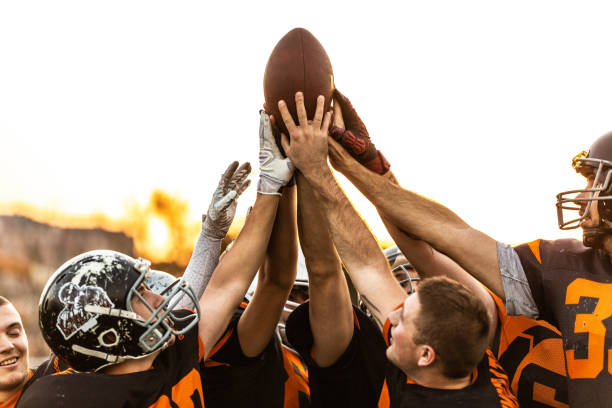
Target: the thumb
pixel 349 114
pixel 224 202
pixel 285 143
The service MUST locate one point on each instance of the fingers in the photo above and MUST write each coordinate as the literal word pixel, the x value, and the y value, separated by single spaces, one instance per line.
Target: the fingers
pixel 348 112
pixel 318 117
pixel 263 119
pixel 326 122
pixel 285 143
pixel 239 176
pixel 243 171
pixel 273 121
pixel 242 187
pixel 301 109
pixel 229 172
pixel 286 116
pixel 225 201
pixel 338 119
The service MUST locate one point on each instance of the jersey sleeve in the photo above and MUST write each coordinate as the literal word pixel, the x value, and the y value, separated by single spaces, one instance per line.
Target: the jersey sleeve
pixel 357 377
pixel 228 351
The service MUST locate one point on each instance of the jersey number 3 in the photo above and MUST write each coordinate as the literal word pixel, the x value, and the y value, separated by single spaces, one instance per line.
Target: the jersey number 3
pixel 592 324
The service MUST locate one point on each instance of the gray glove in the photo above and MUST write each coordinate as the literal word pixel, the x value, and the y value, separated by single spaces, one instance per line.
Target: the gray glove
pixel 222 207
pixel 274 170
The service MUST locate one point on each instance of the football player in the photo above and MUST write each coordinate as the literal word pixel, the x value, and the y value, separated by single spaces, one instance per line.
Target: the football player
pixel 14 369
pixel 564 282
pixel 437 338
pixel 15 374
pixel 97 313
pixel 249 366
pixel 530 351
pixel 204 260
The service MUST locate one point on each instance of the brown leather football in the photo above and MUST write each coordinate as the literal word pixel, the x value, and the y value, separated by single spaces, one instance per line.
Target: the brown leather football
pixel 297 63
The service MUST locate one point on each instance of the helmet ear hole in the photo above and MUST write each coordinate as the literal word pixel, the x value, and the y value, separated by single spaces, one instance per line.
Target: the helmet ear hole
pixel 109 338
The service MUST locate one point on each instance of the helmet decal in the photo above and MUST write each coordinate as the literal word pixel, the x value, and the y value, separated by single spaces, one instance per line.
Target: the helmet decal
pixel 73 317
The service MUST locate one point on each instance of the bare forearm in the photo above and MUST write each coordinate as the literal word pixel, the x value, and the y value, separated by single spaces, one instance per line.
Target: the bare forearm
pixel 315 239
pixel 236 270
pixel 280 266
pixel 331 313
pixel 356 246
pixel 276 275
pixel 430 221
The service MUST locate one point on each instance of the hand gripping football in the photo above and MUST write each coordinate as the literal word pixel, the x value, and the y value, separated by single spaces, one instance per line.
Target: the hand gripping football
pixel 297 63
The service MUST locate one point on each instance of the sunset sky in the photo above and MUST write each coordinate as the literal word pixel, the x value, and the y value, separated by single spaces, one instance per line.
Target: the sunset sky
pixel 479 105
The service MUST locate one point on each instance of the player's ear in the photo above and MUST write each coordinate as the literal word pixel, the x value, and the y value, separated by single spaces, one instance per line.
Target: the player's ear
pixel 426 355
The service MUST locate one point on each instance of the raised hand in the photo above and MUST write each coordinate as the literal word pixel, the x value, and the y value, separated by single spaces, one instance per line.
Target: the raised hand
pixel 354 137
pixel 274 170
pixel 222 207
pixel 308 146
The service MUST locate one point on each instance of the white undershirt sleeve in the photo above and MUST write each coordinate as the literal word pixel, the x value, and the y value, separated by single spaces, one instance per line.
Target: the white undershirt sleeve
pixel 202 264
pixel 519 300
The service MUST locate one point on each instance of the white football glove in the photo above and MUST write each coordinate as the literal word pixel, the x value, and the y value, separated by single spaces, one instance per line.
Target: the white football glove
pixel 222 207
pixel 274 170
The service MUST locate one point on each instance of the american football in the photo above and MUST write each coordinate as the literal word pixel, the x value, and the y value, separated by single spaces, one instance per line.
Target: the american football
pixel 297 63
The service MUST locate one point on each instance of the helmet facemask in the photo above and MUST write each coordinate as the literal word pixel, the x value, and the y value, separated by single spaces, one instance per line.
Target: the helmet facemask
pixel 599 193
pixel 409 282
pixel 160 326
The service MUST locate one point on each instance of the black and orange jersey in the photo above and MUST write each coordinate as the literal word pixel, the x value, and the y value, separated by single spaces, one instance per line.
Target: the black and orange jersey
pixel 531 353
pixel 275 378
pixel 356 379
pixel 490 387
pixel 363 377
pixel 174 380
pixel 572 289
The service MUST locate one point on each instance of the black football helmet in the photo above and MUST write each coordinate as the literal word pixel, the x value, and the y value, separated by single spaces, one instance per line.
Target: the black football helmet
pixel 595 165
pixel 86 316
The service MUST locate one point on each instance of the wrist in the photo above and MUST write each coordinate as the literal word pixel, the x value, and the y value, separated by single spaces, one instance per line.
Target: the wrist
pixel 269 185
pixel 318 176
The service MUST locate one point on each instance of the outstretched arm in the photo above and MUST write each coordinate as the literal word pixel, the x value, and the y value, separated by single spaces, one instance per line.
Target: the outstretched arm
pixel 258 322
pixel 330 308
pixel 356 246
pixel 429 263
pixel 215 225
pixel 416 215
pixel 236 270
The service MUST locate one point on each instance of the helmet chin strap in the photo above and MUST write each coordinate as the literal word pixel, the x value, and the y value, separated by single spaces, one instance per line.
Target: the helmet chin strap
pixel 593 236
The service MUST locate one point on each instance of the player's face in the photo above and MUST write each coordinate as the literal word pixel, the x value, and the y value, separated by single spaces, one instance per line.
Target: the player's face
pixel 402 351
pixel 408 277
pixel 152 298
pixel 13 351
pixel 592 220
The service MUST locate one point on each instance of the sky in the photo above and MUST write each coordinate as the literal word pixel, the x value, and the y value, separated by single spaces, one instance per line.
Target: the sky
pixel 479 105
